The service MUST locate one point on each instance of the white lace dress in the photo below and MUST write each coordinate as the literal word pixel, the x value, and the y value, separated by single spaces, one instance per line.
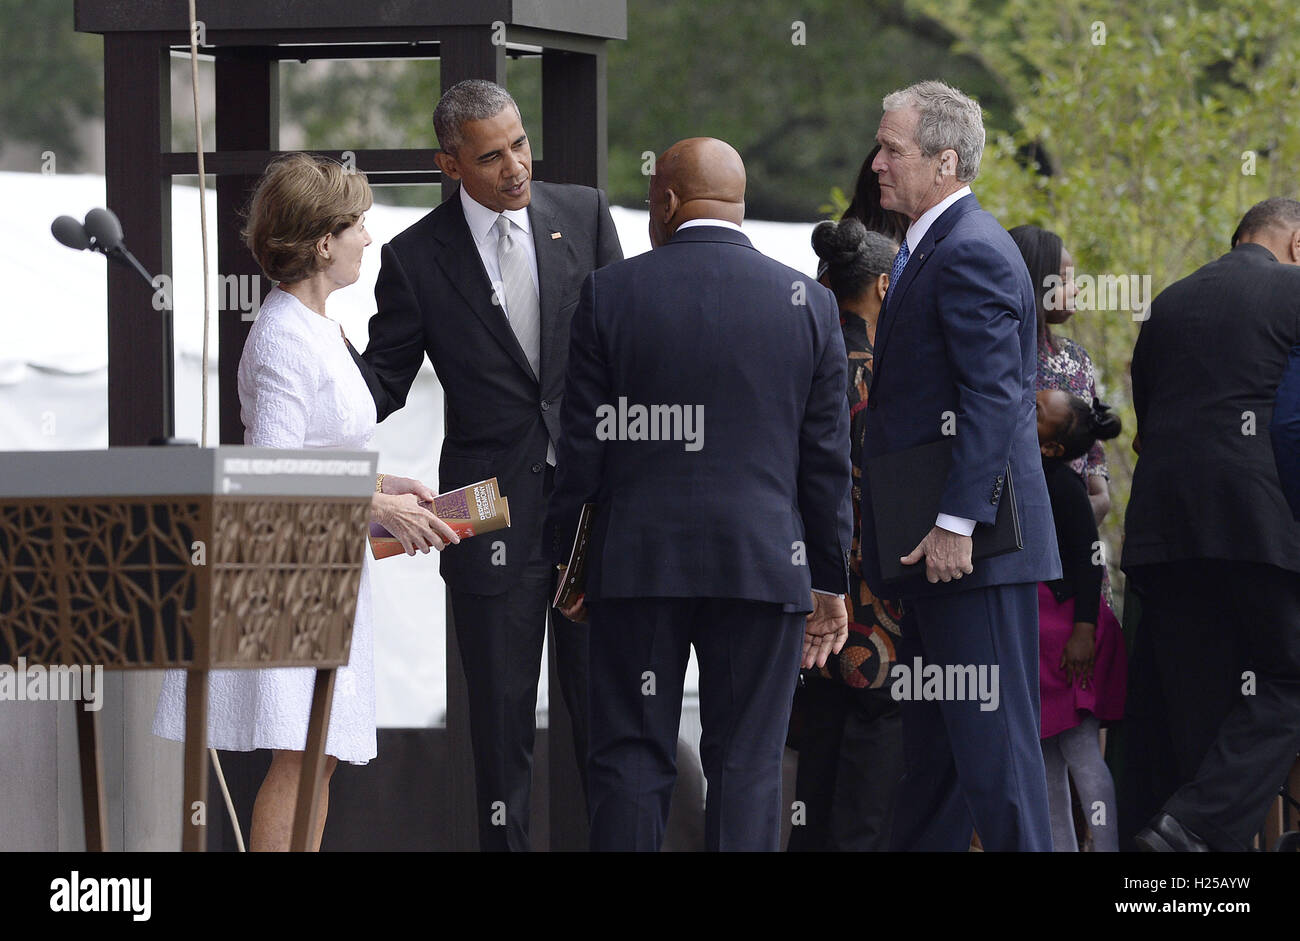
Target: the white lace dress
pixel 298 388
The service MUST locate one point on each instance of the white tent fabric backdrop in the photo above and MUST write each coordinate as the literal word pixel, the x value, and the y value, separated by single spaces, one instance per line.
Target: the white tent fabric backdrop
pixel 54 378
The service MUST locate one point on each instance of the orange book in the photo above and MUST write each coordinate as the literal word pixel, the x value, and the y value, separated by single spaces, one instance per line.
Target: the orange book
pixel 470 511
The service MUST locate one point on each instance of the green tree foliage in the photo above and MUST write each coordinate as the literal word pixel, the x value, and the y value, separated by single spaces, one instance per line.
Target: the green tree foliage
pixel 800 102
pixel 796 88
pixel 53 78
pixel 1160 123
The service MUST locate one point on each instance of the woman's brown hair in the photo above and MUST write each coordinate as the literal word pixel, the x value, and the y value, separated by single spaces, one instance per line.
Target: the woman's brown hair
pixel 299 200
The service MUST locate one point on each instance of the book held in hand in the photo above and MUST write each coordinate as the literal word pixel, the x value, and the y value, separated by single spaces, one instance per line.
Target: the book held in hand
pixel 575 575
pixel 906 488
pixel 470 511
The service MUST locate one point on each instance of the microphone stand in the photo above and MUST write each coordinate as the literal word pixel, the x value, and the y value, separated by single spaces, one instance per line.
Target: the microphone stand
pixel 122 255
pixel 125 258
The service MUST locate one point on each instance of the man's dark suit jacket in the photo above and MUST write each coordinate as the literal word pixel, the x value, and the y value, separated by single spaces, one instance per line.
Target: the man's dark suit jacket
pixel 1206 369
pixel 762 510
pixel 959 337
pixel 434 297
pixel 1285 430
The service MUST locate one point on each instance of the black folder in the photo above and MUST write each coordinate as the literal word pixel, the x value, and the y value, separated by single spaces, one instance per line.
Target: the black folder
pixel 575 573
pixel 906 487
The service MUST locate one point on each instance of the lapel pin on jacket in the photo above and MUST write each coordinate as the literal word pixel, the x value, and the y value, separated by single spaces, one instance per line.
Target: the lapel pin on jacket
pixel 555 235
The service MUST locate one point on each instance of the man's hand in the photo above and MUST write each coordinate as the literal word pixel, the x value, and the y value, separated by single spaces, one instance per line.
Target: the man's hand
pixel 946 554
pixel 825 630
pixel 576 612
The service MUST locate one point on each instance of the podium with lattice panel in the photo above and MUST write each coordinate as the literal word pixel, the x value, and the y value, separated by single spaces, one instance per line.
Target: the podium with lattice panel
pixel 188 558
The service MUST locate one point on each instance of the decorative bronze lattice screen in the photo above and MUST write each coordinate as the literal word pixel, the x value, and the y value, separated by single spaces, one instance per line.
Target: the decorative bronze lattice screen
pixel 140 558
pixel 229 577
pixel 126 582
pixel 99 581
pixel 281 563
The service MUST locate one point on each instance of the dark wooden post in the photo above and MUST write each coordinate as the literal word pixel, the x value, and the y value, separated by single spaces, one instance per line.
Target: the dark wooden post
pixel 574 117
pixel 137 129
pixel 248 118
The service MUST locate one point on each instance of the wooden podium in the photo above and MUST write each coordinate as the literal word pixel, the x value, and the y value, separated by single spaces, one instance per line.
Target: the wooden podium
pixel 188 558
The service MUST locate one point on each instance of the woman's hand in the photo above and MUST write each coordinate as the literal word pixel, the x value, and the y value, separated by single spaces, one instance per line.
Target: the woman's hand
pixel 398 485
pixel 411 524
pixel 1099 496
pixel 1080 654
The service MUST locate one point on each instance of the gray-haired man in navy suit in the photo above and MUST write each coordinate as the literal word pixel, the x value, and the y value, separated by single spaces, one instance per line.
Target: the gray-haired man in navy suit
pixel 956 354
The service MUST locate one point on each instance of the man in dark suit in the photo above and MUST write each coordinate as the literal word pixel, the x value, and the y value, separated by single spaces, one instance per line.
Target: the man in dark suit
pixel 1285 431
pixel 708 539
pixel 1213 549
pixel 485 285
pixel 956 356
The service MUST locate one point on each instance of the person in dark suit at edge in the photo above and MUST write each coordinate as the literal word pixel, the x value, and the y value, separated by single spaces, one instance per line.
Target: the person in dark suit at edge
pixel 1213 549
pixel 1285 431
pixel 485 285
pixel 845 723
pixel 724 541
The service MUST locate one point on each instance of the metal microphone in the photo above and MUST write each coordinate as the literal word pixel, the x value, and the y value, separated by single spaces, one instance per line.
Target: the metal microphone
pixel 70 232
pixel 105 233
pixel 102 232
pixel 103 226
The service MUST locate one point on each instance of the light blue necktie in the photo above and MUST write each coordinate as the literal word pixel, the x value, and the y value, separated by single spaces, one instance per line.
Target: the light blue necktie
pixel 896 272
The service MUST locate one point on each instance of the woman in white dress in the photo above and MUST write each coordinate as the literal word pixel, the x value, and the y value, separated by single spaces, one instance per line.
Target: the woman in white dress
pixel 299 388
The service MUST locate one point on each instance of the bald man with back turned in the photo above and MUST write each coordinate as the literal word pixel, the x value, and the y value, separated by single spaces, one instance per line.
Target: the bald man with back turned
pixel 704 416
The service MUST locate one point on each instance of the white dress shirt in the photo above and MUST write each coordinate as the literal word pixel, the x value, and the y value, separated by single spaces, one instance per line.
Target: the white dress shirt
pixel 915 233
pixel 482 226
pixel 722 222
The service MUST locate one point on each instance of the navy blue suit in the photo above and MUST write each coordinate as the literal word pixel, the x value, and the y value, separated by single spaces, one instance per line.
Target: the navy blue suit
pixel 1285 430
pixel 956 349
pixel 715 542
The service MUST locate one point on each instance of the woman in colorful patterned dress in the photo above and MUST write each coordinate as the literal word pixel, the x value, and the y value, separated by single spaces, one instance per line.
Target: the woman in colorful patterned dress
pixel 845 724
pixel 1063 363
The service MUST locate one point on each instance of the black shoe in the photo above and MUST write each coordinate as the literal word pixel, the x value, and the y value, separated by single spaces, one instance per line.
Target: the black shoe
pixel 1167 835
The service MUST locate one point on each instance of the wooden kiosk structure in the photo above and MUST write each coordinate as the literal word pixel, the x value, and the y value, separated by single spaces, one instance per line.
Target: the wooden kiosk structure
pixel 248 39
